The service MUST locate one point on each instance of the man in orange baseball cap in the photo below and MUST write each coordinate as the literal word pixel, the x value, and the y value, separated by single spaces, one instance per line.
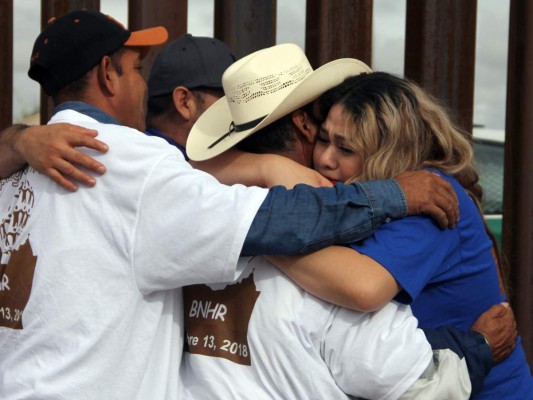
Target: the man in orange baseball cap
pixel 70 46
pixel 76 53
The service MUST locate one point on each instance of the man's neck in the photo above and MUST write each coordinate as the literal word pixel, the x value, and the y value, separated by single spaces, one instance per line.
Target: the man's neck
pixel 89 110
pixel 302 153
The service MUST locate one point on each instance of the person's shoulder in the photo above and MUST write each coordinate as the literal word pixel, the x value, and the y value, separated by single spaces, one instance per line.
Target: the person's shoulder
pixel 449 177
pixel 132 140
pixel 459 189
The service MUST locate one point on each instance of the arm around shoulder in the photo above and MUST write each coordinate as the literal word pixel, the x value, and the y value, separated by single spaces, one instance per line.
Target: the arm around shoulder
pixel 52 150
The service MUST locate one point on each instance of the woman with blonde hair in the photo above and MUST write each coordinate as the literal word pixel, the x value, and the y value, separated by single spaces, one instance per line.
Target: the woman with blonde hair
pixel 377 126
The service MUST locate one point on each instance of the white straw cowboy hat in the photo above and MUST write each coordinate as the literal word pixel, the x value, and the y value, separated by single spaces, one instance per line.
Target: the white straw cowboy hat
pixel 260 89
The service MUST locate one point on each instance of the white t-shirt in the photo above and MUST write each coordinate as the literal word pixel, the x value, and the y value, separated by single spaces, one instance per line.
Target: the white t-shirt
pixel 83 310
pixel 265 338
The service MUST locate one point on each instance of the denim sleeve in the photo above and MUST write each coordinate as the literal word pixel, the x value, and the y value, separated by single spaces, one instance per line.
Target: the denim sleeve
pixel 306 219
pixel 470 345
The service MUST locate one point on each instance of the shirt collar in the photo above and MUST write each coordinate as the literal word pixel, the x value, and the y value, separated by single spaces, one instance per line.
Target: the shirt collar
pixel 88 110
pixel 105 118
pixel 155 132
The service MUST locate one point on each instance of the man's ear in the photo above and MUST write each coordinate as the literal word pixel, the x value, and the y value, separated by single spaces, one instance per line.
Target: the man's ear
pixel 307 127
pixel 184 102
pixel 107 75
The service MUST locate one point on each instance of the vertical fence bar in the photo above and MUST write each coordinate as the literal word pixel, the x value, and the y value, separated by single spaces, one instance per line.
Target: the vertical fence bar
pixel 337 29
pixel 56 8
pixel 440 52
pixel 518 172
pixel 246 26
pixel 6 66
pixel 172 14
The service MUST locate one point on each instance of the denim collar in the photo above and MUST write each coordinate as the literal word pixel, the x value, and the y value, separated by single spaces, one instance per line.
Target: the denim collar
pixel 88 110
pixel 155 132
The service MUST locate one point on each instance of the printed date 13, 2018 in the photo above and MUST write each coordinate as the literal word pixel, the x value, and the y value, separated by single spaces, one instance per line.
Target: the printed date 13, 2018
pixel 209 341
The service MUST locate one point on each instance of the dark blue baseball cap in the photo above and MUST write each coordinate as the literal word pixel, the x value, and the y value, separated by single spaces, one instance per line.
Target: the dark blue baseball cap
pixel 189 61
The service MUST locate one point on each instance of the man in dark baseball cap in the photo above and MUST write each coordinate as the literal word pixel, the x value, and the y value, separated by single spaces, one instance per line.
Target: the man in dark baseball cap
pixel 186 78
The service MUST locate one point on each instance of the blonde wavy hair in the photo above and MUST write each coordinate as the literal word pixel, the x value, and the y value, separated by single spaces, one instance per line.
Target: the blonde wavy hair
pixel 394 126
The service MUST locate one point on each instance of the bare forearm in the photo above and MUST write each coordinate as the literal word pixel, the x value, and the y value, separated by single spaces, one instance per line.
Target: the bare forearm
pixel 10 160
pixel 341 276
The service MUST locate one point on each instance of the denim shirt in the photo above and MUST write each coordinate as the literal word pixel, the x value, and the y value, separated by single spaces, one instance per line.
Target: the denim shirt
pixel 306 219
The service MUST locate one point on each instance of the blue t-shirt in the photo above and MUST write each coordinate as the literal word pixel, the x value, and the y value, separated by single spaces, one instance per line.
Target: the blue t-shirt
pixel 450 277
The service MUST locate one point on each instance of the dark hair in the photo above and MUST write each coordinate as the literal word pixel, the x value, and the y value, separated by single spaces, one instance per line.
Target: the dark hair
pixel 273 138
pixel 75 88
pixel 278 137
pixel 158 105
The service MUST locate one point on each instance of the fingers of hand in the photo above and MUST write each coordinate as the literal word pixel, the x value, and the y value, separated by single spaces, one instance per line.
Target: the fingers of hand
pixel 450 205
pixel 68 129
pixel 500 311
pixel 66 169
pixel 447 197
pixel 61 180
pixel 81 140
pixel 65 159
pixel 451 215
pixel 83 160
pixel 439 215
pixel 438 209
pixel 84 131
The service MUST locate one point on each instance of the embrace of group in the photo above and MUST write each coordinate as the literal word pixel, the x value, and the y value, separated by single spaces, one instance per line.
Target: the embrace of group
pixel 242 229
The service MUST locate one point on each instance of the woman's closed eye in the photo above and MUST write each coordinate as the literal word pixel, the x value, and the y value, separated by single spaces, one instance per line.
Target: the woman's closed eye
pixel 346 150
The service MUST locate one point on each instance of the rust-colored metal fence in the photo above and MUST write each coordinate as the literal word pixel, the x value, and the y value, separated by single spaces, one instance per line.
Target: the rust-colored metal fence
pixel 439 54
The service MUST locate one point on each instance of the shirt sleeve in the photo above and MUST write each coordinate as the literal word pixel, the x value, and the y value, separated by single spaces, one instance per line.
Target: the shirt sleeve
pixel 376 355
pixel 306 219
pixel 190 228
pixel 471 346
pixel 414 250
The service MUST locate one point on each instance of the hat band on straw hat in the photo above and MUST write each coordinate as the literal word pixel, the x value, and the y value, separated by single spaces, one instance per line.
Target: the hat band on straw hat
pixel 237 128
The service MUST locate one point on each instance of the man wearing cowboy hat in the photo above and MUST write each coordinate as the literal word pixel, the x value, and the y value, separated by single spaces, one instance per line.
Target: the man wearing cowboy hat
pixel 263 337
